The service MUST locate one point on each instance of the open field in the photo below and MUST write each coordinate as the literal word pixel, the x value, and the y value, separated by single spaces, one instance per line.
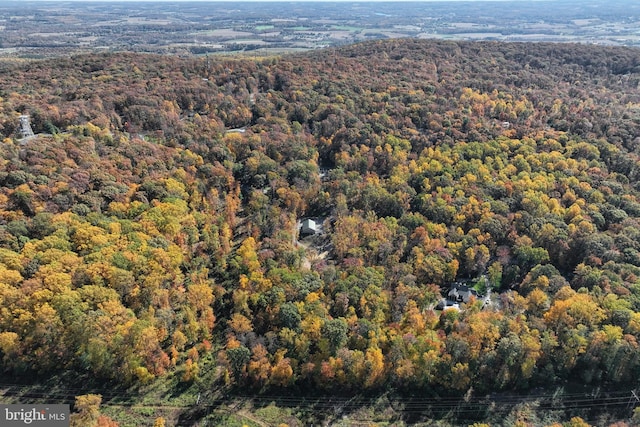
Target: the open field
pixel 45 29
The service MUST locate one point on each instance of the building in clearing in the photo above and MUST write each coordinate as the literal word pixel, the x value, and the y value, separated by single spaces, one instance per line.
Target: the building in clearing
pixel 461 293
pixel 308 227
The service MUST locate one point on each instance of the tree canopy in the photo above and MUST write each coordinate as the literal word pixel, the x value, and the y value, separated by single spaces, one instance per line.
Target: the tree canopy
pixel 152 225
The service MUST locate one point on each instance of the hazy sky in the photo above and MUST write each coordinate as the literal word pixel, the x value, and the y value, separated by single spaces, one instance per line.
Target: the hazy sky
pixel 236 1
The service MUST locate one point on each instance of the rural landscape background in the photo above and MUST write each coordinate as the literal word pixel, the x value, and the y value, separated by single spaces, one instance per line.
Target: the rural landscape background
pixel 321 214
pixel 37 29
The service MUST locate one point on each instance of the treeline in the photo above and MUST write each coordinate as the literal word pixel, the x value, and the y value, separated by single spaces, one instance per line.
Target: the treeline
pixel 140 238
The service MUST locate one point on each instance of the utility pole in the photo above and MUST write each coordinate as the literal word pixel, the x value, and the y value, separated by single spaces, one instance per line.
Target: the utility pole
pixel 633 400
pixel 25 128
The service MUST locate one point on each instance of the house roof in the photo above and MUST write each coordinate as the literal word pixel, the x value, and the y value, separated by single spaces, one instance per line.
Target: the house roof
pixel 462 293
pixel 309 226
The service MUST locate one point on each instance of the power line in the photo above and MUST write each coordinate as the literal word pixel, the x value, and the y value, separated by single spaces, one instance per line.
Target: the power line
pixel 568 398
pixel 440 407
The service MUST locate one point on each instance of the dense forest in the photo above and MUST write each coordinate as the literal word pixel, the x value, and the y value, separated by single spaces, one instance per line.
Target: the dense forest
pixel 152 227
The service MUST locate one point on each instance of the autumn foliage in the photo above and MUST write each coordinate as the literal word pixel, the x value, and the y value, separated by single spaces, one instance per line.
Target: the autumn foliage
pixel 154 220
